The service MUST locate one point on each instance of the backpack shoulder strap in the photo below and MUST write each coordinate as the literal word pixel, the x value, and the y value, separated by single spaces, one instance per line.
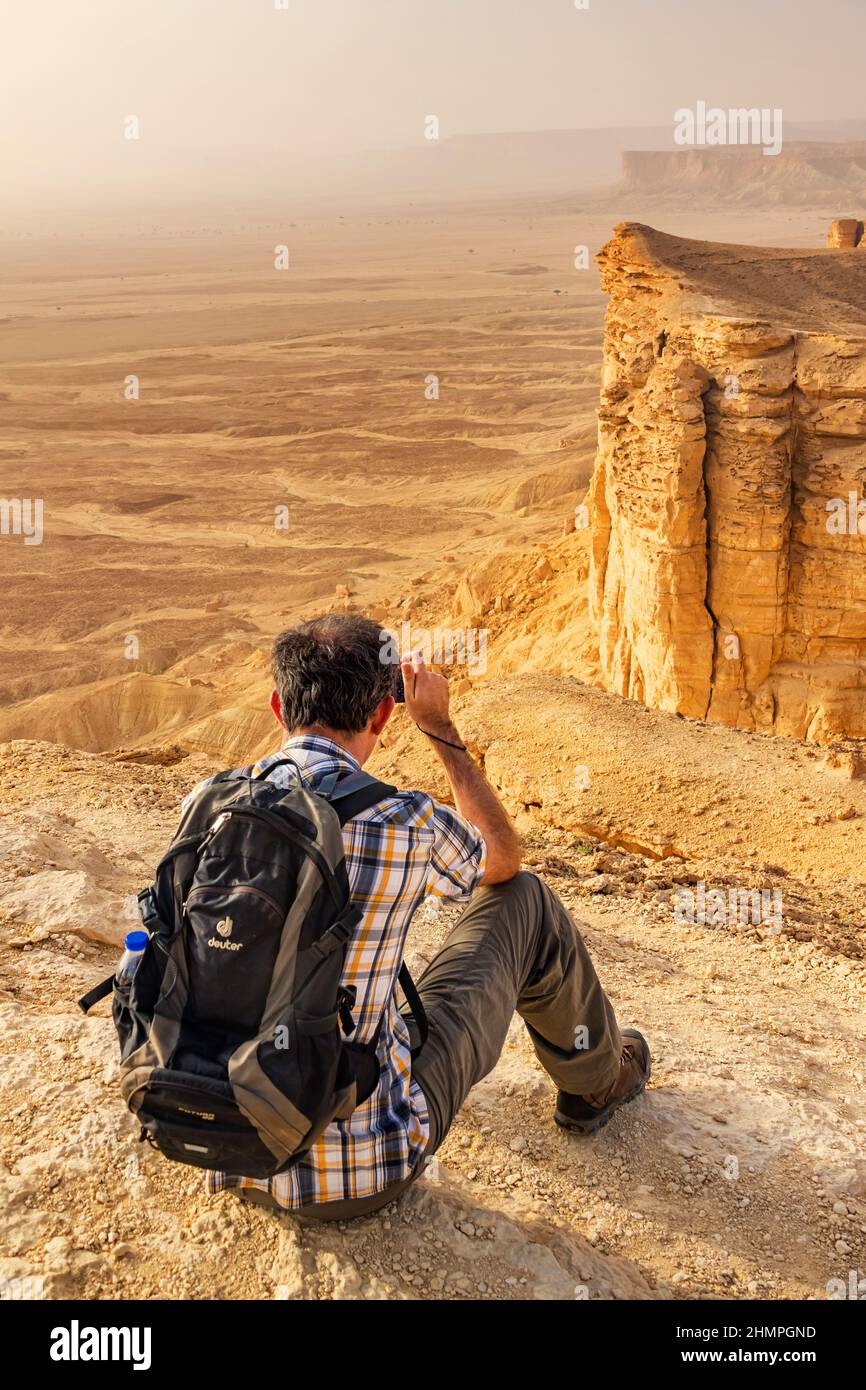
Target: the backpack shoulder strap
pixel 93 996
pixel 349 795
pixel 280 760
pixel 355 793
pixel 419 1013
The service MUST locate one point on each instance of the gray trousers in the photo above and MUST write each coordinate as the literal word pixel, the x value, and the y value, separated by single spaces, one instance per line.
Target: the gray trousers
pixel 514 949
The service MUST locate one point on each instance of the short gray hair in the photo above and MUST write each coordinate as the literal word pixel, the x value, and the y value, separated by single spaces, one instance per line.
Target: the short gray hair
pixel 329 671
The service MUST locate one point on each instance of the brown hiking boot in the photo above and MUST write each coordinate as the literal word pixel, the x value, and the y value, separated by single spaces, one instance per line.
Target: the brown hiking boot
pixel 586 1114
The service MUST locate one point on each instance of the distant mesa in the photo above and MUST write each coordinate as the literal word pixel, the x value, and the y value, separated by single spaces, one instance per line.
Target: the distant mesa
pixel 804 173
pixel 728 565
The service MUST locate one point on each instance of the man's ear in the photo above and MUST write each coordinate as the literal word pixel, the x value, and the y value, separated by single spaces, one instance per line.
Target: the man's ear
pixel 382 714
pixel 277 708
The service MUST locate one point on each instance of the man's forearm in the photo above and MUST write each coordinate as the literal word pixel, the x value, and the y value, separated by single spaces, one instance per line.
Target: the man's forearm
pixel 477 801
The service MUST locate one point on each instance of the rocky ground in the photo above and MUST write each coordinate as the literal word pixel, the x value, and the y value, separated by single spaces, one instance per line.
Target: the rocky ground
pixel 740 1174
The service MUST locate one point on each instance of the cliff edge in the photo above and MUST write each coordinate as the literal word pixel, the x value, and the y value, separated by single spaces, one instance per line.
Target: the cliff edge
pixel 726 576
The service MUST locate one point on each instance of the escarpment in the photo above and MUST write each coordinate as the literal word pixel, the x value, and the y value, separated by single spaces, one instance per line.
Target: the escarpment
pixel 728 544
pixel 804 173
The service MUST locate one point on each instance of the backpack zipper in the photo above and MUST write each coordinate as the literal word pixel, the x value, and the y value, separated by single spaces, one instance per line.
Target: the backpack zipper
pixel 239 888
pixel 296 838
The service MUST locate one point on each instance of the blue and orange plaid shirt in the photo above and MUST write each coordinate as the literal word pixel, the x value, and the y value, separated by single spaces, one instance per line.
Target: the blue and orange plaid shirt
pixel 397 853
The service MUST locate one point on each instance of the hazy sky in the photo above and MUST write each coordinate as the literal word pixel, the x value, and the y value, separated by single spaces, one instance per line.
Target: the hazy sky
pixel 230 92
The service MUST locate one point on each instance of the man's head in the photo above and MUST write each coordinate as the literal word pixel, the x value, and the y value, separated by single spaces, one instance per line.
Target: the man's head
pixel 329 679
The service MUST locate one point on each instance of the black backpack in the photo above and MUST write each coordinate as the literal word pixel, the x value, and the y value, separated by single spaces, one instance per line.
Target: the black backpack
pixel 234 1030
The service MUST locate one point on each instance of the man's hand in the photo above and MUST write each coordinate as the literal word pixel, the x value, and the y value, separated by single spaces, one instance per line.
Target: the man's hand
pixel 427 703
pixel 426 695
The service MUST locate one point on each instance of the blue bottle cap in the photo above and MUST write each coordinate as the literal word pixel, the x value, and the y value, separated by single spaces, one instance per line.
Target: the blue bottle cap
pixel 136 940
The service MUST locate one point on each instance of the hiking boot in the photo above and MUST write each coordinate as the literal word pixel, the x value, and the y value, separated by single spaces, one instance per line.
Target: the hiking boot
pixel 586 1114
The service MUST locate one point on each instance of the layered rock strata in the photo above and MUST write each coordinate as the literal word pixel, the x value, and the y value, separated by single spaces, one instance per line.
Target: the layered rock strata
pixel 728 554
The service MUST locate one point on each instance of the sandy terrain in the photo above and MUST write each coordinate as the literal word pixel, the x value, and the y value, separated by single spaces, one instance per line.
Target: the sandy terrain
pixel 742 1172
pixel 261 389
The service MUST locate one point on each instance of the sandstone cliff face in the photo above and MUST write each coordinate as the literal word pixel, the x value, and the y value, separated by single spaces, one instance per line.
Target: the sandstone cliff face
pixel 733 413
pixel 845 233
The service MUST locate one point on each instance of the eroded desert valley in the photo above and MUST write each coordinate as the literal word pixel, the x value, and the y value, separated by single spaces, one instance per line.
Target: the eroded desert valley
pixel 614 479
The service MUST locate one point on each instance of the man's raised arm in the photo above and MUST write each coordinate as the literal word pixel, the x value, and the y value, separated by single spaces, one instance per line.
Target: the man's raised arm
pixel 427 703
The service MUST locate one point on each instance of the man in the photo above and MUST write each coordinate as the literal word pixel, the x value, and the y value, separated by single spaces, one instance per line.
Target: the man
pixel 515 946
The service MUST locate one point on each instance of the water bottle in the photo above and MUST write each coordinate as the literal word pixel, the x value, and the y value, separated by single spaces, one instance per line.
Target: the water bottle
pixel 135 943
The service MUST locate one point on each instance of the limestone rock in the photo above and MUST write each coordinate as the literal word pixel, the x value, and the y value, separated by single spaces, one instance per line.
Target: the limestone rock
pixel 65 901
pixel 845 233
pixel 727 575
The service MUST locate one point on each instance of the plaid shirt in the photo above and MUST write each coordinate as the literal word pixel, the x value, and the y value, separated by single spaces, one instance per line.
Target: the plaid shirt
pixel 396 853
